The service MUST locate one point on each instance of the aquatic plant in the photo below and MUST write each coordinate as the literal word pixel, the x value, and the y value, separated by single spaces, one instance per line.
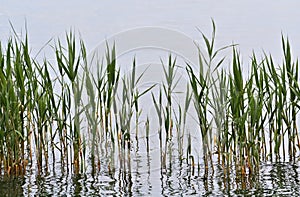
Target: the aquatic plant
pixel 63 111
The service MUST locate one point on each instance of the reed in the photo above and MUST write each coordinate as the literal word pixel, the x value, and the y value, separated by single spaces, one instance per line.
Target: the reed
pixel 44 118
pixel 130 102
pixel 291 70
pixel 68 62
pixel 200 94
pixel 180 120
pixel 100 106
pixel 219 105
pixel 256 118
pixel 263 101
pixel 202 82
pixel 164 107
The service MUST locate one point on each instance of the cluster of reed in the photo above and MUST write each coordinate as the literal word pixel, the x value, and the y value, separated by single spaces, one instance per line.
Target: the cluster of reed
pixel 63 111
pixel 44 112
pixel 254 114
pixel 33 115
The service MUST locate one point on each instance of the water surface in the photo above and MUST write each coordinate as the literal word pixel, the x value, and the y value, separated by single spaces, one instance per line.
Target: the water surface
pixel 254 25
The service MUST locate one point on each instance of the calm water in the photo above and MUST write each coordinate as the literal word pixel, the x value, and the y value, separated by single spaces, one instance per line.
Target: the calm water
pixel 277 179
pixel 254 25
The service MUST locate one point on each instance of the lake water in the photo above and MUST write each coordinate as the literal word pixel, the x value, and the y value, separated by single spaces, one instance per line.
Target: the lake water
pixel 254 25
pixel 280 179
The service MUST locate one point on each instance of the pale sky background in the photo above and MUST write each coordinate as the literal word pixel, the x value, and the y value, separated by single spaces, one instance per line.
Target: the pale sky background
pixel 252 24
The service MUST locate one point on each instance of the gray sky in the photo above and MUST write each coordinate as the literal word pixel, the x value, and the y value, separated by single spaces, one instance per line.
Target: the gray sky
pixel 252 24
